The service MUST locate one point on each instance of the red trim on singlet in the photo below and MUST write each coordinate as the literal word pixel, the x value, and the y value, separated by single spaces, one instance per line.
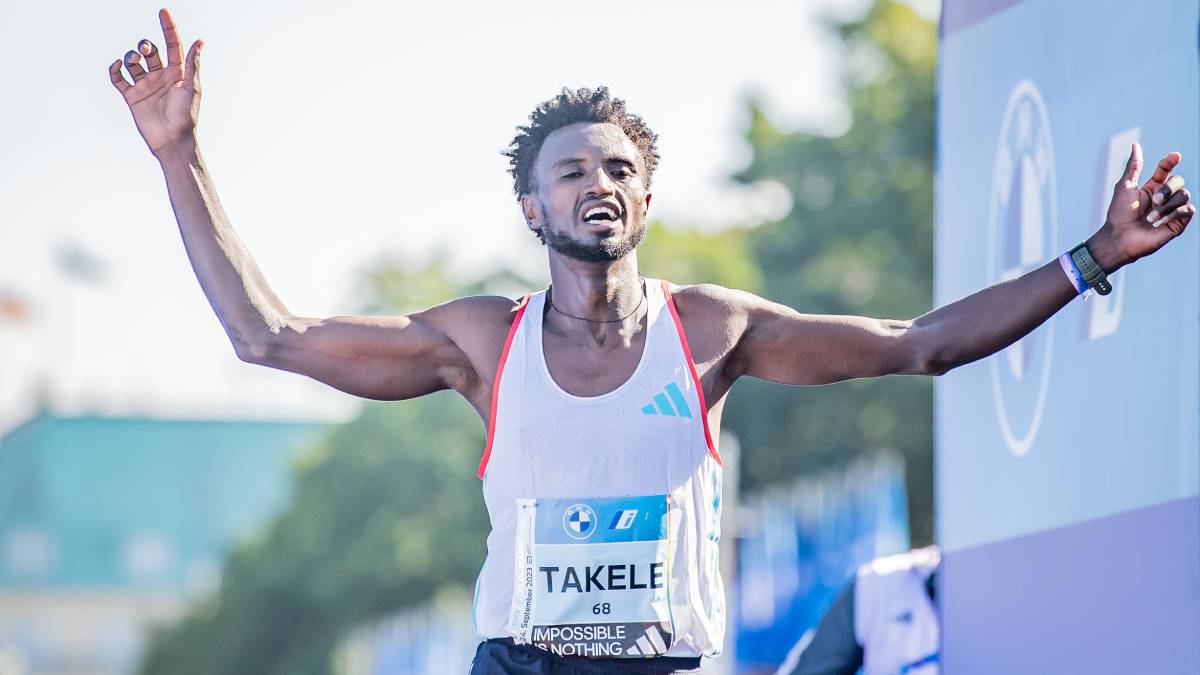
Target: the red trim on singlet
pixel 687 352
pixel 491 434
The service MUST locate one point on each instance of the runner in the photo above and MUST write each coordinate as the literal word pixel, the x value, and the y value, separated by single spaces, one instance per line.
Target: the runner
pixel 601 395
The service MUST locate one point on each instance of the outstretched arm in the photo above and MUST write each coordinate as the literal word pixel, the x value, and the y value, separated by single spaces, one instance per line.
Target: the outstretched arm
pixel 374 357
pixel 782 345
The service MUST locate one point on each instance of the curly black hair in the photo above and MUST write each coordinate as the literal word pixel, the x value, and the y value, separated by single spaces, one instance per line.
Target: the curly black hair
pixel 572 107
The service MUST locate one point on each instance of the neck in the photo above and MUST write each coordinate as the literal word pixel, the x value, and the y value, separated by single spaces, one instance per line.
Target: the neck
pixel 596 291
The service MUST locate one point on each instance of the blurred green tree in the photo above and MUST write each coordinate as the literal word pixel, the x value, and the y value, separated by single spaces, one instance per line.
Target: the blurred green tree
pixel 688 256
pixel 858 240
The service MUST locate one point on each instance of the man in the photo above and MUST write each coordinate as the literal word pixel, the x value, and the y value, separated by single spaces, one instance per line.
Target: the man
pixel 602 395
pixel 884 621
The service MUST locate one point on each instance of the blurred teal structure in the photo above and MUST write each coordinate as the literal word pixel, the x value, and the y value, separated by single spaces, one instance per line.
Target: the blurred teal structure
pixel 110 524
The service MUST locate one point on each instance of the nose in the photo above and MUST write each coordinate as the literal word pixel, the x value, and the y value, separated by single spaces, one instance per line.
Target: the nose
pixel 599 183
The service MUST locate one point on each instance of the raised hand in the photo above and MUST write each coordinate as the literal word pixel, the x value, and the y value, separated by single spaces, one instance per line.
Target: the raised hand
pixel 164 100
pixel 1142 219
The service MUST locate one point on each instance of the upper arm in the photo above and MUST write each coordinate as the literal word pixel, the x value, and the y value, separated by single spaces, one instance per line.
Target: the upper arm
pixel 392 357
pixel 782 345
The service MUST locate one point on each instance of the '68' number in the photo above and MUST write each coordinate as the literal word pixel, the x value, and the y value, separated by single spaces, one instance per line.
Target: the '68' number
pixel 601 608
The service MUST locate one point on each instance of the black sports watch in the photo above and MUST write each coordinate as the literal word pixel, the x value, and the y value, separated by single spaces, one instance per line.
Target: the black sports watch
pixel 1093 276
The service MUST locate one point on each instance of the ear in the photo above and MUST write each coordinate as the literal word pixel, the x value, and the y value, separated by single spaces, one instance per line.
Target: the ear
pixel 532 211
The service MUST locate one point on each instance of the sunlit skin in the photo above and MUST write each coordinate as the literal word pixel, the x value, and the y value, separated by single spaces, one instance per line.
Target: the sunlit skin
pixel 581 167
pixel 732 333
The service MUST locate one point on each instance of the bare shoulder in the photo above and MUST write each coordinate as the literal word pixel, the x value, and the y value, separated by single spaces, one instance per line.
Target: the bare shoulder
pixel 715 318
pixel 711 304
pixel 477 327
pixel 475 323
pixel 475 308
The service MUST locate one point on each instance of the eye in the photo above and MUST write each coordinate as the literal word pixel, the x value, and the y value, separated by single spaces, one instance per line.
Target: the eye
pixel 573 174
pixel 621 173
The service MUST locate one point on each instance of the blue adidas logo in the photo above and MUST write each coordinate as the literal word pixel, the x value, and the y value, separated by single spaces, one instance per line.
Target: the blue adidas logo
pixel 670 403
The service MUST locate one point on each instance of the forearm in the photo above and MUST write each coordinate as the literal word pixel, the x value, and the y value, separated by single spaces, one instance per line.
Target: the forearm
pixel 985 322
pixel 228 275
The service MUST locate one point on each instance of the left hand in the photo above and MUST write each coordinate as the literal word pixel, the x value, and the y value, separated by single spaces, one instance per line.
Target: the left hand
pixel 1142 219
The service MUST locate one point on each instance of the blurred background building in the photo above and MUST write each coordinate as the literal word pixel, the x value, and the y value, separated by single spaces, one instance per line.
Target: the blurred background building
pixel 111 525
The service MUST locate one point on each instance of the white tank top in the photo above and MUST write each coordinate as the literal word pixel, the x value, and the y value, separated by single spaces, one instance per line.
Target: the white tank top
pixel 606 509
pixel 894 619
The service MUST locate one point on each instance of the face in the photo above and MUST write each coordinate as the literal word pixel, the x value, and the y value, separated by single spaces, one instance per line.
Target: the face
pixel 590 197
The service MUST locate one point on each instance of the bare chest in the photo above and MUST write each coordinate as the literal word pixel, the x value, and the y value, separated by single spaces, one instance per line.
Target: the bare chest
pixel 581 368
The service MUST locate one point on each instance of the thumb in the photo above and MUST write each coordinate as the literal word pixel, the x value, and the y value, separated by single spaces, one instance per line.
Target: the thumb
pixel 192 62
pixel 1133 168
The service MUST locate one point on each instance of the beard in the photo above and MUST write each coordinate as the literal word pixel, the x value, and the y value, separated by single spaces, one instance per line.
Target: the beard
pixel 607 249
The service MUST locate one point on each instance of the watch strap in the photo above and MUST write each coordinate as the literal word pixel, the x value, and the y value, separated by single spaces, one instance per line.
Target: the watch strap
pixel 1093 276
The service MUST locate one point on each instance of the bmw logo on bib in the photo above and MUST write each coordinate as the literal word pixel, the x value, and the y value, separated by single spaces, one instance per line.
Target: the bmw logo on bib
pixel 579 521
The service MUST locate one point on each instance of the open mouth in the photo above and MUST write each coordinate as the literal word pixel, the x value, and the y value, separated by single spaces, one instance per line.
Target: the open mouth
pixel 602 214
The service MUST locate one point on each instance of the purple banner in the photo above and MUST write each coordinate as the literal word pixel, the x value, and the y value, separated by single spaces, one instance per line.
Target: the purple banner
pixel 1116 595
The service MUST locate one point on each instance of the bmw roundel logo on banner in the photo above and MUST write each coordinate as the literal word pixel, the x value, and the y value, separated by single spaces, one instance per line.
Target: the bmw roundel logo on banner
pixel 579 521
pixel 1022 234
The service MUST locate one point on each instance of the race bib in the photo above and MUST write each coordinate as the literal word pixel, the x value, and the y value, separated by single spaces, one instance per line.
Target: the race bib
pixel 591 576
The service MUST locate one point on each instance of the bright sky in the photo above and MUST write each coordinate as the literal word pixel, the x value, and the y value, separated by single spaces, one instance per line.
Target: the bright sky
pixel 338 133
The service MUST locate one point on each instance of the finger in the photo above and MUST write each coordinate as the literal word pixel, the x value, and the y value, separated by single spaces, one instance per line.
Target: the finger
pixel 118 78
pixel 147 49
pixel 1133 167
pixel 193 63
pixel 1169 188
pixel 1177 200
pixel 1174 214
pixel 134 66
pixel 1179 219
pixel 1165 166
pixel 1186 217
pixel 171 38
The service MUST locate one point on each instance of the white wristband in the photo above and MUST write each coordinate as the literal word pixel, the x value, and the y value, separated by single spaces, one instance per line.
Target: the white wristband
pixel 1072 272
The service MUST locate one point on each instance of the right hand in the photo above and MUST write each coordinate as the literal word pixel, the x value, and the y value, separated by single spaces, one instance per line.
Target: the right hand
pixel 165 101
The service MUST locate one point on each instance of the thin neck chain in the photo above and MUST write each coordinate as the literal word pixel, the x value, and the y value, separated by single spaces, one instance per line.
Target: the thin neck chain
pixel 550 299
